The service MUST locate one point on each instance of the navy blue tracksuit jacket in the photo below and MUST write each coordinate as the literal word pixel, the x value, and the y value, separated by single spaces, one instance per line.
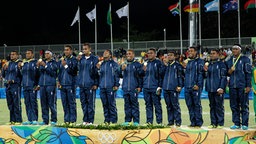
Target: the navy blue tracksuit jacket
pixel 30 78
pixel 132 79
pixel 173 78
pixel 216 78
pixel 67 78
pixel 151 81
pixel 109 77
pixel 194 76
pixel 47 83
pixel 13 75
pixel 239 80
pixel 88 77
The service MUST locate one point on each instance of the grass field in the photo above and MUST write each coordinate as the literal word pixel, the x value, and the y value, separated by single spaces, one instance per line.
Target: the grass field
pixel 99 118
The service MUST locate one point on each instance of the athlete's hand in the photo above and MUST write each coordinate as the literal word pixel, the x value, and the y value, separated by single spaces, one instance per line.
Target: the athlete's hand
pixel 178 89
pixel 230 71
pixel 247 89
pixel 37 88
pixel 138 90
pixel 5 67
pixel 220 91
pixel 63 62
pixel 43 63
pixel 195 87
pixel 79 57
pixel 115 88
pixel 124 66
pixel 94 87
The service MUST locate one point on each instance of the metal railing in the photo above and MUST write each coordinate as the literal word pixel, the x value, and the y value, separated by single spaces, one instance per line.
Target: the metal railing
pixel 137 46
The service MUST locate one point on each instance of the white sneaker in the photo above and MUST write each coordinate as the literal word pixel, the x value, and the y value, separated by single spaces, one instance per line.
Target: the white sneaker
pixel 85 123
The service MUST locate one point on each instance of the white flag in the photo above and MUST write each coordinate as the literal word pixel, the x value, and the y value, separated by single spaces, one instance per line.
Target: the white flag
pixel 91 15
pixel 76 18
pixel 122 11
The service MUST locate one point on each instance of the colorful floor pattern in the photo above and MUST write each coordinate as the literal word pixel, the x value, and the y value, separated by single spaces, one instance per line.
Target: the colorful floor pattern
pixel 182 135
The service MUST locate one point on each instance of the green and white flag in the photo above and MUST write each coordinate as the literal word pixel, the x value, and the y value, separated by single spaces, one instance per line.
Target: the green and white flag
pixel 109 17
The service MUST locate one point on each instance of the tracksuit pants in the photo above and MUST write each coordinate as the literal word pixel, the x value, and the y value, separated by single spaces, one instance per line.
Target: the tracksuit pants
pixel 13 102
pixel 131 106
pixel 48 101
pixel 30 97
pixel 87 99
pixel 193 102
pixel 239 104
pixel 217 112
pixel 152 99
pixel 68 99
pixel 108 100
pixel 173 107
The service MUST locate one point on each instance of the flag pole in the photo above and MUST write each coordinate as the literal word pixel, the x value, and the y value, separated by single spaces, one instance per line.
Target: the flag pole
pixel 219 23
pixel 96 48
pixel 164 38
pixel 79 30
pixel 238 15
pixel 128 26
pixel 200 33
pixel 111 34
pixel 181 43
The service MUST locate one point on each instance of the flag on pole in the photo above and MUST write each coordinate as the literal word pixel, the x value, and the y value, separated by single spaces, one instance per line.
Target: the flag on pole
pixel 174 9
pixel 231 5
pixel 212 6
pixel 250 4
pixel 76 18
pixel 109 17
pixel 91 15
pixel 193 8
pixel 122 12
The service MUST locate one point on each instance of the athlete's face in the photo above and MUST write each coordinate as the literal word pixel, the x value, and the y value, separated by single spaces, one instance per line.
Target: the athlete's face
pixel 151 55
pixel 214 55
pixel 236 51
pixel 192 53
pixel 67 51
pixel 106 54
pixel 129 55
pixel 86 50
pixel 29 55
pixel 171 56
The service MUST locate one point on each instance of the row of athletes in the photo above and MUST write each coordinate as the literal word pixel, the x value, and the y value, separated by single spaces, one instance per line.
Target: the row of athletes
pixel 154 75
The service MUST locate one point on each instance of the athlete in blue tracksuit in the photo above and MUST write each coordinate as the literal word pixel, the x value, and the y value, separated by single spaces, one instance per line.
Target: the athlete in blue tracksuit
pixel 193 87
pixel 152 82
pixel 239 70
pixel 172 85
pixel 88 81
pixel 109 72
pixel 215 84
pixel 12 76
pixel 47 83
pixel 131 86
pixel 66 76
pixel 30 78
